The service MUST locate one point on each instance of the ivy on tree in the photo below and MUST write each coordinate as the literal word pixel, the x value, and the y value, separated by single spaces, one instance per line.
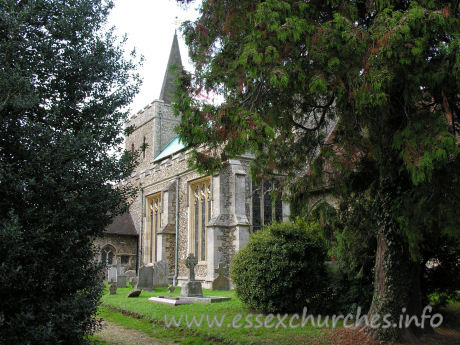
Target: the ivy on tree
pixel 64 88
pixel 383 74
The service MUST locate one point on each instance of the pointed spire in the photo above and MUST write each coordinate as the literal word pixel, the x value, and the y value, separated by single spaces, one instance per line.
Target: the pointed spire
pixel 168 88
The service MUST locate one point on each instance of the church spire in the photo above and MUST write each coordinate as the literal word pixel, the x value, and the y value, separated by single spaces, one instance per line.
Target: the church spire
pixel 168 88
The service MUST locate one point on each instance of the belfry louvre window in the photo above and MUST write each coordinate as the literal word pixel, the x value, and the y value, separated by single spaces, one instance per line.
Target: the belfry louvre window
pixel 200 214
pixel 152 225
pixel 265 209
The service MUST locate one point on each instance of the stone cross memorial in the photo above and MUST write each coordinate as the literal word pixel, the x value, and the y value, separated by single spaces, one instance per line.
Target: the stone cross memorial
pixel 190 263
pixel 191 288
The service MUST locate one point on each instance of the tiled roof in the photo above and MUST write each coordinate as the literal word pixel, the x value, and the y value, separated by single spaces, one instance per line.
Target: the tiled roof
pixel 122 225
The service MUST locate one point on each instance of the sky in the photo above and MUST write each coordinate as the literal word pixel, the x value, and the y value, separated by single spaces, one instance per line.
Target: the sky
pixel 149 26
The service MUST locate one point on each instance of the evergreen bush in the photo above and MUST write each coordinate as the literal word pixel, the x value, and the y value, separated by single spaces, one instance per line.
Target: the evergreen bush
pixel 282 268
pixel 64 90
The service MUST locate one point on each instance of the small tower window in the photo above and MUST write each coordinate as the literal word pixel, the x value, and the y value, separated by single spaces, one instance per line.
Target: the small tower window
pixel 143 149
pixel 132 147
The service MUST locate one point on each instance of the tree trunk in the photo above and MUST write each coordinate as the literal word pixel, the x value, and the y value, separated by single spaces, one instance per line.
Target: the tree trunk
pixel 397 280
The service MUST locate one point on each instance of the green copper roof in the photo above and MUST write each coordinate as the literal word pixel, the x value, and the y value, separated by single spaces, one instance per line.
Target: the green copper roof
pixel 175 145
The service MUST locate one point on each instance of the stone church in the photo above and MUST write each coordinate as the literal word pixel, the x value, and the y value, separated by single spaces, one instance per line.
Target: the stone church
pixel 178 211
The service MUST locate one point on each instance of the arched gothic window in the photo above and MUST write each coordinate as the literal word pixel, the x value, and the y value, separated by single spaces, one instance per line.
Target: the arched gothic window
pixel 265 209
pixel 152 224
pixel 107 255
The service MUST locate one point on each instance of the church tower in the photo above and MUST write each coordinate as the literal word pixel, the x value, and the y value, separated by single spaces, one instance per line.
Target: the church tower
pixel 154 125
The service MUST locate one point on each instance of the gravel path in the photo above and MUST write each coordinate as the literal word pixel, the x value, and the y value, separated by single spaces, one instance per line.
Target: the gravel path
pixel 114 334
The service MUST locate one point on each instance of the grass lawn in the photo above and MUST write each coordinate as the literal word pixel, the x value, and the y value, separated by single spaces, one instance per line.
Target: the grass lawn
pixel 149 317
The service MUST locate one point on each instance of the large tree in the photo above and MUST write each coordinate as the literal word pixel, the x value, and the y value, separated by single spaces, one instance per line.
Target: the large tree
pixel 64 88
pixel 385 75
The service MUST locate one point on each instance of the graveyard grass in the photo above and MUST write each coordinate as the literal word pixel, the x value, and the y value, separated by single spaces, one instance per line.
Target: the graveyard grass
pixel 148 317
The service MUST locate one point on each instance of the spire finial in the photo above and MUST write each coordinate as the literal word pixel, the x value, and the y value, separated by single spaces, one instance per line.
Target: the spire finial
pixel 177 23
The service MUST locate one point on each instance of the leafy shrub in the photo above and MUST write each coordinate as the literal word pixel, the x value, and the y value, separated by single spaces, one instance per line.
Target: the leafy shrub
pixel 356 237
pixel 64 88
pixel 351 243
pixel 47 296
pixel 327 217
pixel 355 248
pixel 441 278
pixel 344 295
pixel 282 268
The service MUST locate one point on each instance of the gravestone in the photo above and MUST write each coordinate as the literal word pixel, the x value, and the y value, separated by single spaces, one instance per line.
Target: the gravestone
pixel 160 274
pixel 221 282
pixel 134 293
pixel 113 288
pixel 133 281
pixel 152 276
pixel 120 268
pixel 130 274
pixel 192 288
pixel 121 281
pixel 112 275
pixel 145 281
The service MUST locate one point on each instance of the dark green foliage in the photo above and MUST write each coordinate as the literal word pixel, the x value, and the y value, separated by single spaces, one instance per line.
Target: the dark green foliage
pixel 49 287
pixel 385 74
pixel 356 238
pixel 282 268
pixel 344 295
pixel 351 241
pixel 64 86
pixel 355 250
pixel 442 272
pixel 326 216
